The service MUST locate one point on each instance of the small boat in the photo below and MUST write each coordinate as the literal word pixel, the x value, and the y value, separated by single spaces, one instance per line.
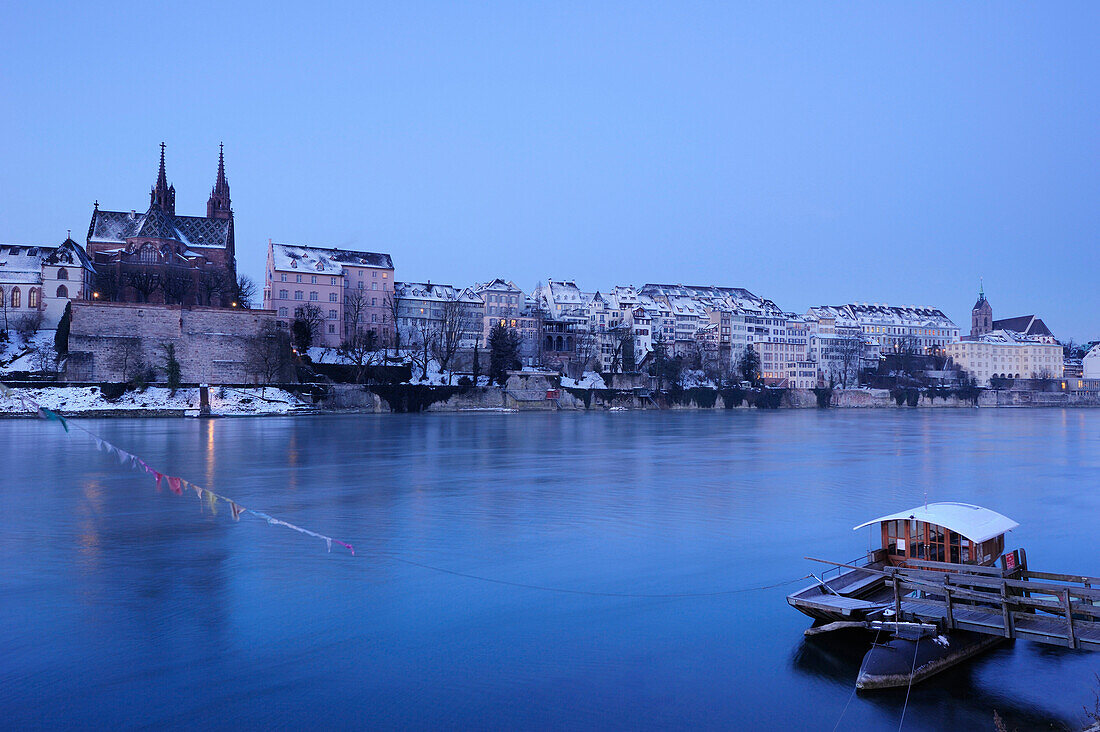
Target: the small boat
pixel 936 537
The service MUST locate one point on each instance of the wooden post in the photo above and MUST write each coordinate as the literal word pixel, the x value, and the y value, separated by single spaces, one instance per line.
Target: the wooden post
pixel 1070 635
pixel 947 597
pixel 1009 630
pixel 897 599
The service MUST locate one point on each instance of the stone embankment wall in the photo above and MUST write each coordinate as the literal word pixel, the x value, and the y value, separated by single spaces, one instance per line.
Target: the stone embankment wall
pixel 212 344
pixel 530 394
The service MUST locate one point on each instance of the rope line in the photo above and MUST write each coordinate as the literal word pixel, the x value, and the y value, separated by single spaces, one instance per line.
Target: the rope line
pixel 51 415
pixel 854 687
pixel 912 672
pixel 590 593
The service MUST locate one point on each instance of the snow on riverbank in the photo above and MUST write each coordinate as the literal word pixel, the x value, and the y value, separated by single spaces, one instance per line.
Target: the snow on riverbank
pixel 78 399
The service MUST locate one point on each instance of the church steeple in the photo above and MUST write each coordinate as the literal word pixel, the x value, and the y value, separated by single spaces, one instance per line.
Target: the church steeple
pixel 218 206
pixel 981 315
pixel 163 196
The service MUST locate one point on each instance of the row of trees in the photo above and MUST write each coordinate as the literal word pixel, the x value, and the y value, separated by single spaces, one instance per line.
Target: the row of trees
pixel 174 285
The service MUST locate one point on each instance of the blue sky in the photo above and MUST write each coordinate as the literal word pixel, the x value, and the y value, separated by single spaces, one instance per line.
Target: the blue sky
pixel 815 153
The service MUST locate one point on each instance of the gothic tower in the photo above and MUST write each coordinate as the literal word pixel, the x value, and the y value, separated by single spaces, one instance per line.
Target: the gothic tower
pixel 981 317
pixel 163 196
pixel 219 206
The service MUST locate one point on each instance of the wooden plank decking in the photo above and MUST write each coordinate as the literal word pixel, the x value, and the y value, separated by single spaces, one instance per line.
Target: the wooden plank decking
pixel 1059 609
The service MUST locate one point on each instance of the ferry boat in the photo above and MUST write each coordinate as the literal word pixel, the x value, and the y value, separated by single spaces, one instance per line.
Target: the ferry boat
pixel 936 537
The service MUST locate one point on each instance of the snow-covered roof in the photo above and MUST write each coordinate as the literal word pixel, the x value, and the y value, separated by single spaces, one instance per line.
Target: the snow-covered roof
pixel 291 257
pixel 974 522
pixel 883 314
pixel 20 264
pixel 194 231
pixel 1008 337
pixel 496 285
pixel 431 291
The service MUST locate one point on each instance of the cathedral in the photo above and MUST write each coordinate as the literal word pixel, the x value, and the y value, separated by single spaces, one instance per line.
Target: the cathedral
pixel 161 257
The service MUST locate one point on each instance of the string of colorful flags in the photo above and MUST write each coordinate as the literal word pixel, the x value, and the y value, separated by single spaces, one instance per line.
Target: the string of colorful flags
pixel 175 484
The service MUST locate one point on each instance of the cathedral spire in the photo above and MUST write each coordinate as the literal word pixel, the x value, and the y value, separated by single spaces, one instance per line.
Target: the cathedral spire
pixel 163 196
pixel 219 205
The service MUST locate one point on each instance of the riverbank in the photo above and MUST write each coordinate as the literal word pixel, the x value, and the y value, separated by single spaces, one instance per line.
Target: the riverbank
pixel 520 394
pixel 154 401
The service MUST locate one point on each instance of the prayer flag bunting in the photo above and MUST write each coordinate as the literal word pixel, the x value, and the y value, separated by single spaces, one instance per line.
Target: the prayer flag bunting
pixel 175 484
pixel 47 414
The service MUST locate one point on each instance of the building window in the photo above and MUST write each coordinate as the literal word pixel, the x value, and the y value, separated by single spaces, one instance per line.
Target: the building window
pixel 32 296
pixel 283 312
pixel 313 295
pixel 62 273
pixel 374 302
pixel 332 281
pixel 331 328
pixel 332 315
pixel 374 317
pixel 332 297
pixel 374 285
pixel 1 297
pixel 360 285
pixel 385 275
pixel 282 278
pixel 313 279
pixel 297 278
pixel 283 295
pixel 298 295
pixel 15 297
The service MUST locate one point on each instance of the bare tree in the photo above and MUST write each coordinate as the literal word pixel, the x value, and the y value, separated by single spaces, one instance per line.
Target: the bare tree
pixel 848 351
pixel 27 325
pixel 908 348
pixel 269 354
pixel 622 348
pixel 145 280
pixel 45 358
pixel 454 323
pixel 246 292
pixel 177 283
pixel 108 283
pixel 4 311
pixel 362 350
pixel 355 305
pixel 393 310
pixel 585 347
pixel 308 322
pixel 130 357
pixel 425 336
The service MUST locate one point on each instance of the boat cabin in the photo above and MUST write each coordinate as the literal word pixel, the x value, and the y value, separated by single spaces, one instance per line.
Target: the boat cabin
pixel 958 533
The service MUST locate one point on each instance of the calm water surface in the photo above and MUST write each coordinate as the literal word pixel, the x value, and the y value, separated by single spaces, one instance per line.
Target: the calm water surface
pixel 124 607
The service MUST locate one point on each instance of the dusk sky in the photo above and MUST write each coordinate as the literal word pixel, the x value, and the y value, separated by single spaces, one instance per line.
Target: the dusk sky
pixel 811 153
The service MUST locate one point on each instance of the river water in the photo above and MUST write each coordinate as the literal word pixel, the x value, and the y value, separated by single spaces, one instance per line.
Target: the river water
pixel 124 607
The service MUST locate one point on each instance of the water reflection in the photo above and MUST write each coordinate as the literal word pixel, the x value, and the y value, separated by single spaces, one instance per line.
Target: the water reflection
pixel 124 607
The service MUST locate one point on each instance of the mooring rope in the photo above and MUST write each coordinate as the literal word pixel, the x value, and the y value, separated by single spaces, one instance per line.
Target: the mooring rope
pixel 590 593
pixel 912 672
pixel 854 686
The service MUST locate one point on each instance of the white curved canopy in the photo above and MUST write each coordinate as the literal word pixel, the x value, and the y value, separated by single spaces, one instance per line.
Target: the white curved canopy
pixel 974 522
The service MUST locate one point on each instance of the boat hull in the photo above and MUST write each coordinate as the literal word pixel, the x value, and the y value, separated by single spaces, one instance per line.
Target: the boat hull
pixel 892 664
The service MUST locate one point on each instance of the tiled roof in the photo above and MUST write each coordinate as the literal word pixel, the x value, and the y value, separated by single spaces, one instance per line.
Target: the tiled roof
pixel 194 231
pixel 1026 324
